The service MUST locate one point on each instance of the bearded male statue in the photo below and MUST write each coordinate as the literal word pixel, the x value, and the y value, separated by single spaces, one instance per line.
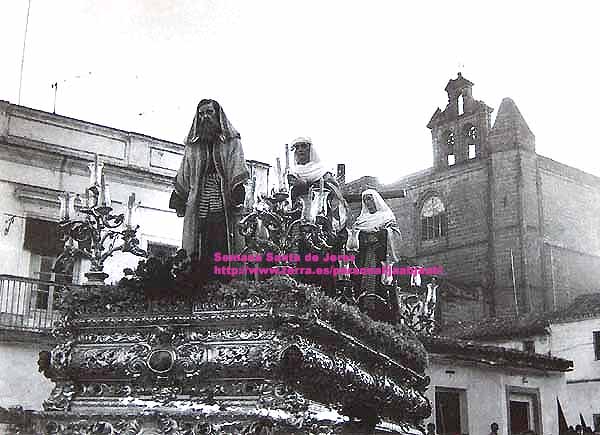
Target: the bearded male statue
pixel 209 187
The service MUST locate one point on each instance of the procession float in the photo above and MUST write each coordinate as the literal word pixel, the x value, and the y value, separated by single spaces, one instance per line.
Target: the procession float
pixel 157 354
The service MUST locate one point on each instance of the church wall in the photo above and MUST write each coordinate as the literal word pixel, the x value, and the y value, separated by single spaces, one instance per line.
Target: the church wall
pixel 531 212
pixel 574 274
pixel 459 310
pixel 507 213
pixel 571 208
pixel 463 253
pixel 463 192
pixel 534 294
pixel 540 292
pixel 505 292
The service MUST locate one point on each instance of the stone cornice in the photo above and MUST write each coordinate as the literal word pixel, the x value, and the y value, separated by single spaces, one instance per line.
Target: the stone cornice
pixel 47 157
pixel 74 123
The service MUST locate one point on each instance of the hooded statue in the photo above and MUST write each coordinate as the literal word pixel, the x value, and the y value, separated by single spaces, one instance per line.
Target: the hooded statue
pixel 378 240
pixel 380 218
pixel 209 186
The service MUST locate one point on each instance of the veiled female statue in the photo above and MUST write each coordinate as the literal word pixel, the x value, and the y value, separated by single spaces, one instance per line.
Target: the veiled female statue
pixel 378 240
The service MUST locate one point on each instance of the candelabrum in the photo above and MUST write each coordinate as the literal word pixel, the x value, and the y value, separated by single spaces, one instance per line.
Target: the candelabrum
pixel 99 233
pixel 275 226
pixel 417 305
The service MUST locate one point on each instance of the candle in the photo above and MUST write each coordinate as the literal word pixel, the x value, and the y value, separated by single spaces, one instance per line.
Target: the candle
pixel 96 161
pixel 352 243
pixel 287 158
pixel 287 168
pixel 415 277
pixel 386 273
pixel 104 202
pixel 130 208
pixel 79 202
pixel 431 298
pixel 70 206
pixel 279 174
pixel 92 169
pixel 95 171
pixel 67 206
pixel 63 207
pixel 251 197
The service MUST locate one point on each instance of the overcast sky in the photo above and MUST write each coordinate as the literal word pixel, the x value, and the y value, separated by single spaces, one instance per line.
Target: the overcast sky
pixel 362 78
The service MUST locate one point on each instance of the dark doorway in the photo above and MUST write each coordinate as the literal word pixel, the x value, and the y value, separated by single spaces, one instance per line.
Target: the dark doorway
pixel 447 412
pixel 519 417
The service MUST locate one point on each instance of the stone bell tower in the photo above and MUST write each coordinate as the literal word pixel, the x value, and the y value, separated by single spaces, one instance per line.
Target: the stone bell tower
pixel 459 132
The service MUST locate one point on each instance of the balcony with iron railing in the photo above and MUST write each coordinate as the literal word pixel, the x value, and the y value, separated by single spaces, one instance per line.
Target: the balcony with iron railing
pixel 28 304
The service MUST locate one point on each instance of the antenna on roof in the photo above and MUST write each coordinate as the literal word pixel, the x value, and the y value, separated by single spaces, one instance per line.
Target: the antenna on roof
pixel 55 87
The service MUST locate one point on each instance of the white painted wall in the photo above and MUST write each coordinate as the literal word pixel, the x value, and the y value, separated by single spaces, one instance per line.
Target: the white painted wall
pixel 486 392
pixel 20 381
pixel 157 222
pixel 575 341
pixel 13 260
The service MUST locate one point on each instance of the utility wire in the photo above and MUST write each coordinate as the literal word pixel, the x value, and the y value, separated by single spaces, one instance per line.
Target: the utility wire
pixel 23 54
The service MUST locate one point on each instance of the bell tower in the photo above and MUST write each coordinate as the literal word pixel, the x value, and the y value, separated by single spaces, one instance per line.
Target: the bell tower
pixel 459 133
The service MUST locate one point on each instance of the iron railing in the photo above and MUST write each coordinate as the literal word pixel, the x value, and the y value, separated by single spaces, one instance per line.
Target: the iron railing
pixel 28 304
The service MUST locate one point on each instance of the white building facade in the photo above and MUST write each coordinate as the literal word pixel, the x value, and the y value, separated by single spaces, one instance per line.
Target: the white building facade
pixel 571 333
pixel 41 156
pixel 474 385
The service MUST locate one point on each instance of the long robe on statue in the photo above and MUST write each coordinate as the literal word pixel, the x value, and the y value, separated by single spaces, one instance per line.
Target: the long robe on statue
pixel 210 185
pixel 380 241
pixel 301 178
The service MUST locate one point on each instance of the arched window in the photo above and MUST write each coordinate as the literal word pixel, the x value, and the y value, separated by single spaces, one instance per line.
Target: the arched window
pixel 472 135
pixel 461 105
pixel 450 142
pixel 434 222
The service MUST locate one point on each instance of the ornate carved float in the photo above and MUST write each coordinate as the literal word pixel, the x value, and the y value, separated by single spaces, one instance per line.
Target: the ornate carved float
pixel 274 357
